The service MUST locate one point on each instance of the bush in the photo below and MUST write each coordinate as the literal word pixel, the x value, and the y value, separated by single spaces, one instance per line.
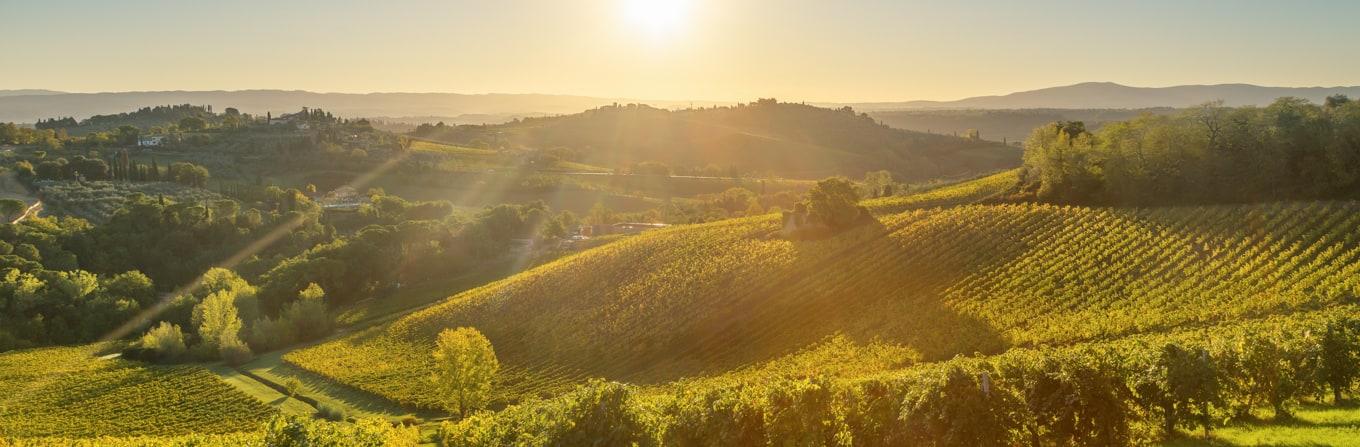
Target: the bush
pixel 331 413
pixel 268 333
pixel 235 352
pixel 292 386
pixel 163 342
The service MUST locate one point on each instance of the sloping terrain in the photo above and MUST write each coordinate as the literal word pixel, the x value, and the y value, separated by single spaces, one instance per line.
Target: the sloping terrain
pixel 71 392
pixel 790 140
pixel 704 299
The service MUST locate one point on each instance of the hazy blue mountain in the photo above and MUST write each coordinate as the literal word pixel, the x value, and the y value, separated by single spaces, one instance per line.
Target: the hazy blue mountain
pixel 26 92
pixel 1109 95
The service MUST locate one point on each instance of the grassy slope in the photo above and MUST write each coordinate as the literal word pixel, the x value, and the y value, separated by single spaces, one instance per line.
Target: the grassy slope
pixel 260 391
pixel 71 392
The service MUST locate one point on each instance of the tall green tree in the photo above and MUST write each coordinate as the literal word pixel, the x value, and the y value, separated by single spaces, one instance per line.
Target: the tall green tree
pixel 465 366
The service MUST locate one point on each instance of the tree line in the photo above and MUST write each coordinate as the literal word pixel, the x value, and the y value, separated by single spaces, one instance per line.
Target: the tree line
pixel 1291 149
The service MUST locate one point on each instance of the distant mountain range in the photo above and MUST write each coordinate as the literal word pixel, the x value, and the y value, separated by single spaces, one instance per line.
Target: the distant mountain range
pixel 1109 95
pixel 27 106
pixel 27 92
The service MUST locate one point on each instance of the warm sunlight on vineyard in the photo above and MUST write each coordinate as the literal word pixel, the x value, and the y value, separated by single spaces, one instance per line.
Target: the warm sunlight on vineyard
pixel 942 281
pixel 70 392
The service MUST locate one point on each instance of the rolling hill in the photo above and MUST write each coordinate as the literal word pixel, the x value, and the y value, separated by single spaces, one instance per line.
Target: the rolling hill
pixel 939 281
pixel 790 140
pixel 1008 125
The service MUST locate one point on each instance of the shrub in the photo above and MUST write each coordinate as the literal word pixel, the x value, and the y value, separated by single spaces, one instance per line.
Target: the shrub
pixel 235 352
pixel 331 412
pixel 165 341
pixel 268 333
pixel 292 386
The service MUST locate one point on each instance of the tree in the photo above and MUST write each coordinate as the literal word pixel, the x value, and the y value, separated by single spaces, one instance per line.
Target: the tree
pixel 878 184
pixel 308 315
pixel 1336 100
pixel 192 123
pixel 834 202
pixel 600 215
pixel 465 367
pixel 217 321
pixel 188 174
pixel 1339 363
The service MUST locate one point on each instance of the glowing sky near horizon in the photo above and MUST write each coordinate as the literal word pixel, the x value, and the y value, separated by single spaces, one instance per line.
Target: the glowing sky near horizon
pixel 810 50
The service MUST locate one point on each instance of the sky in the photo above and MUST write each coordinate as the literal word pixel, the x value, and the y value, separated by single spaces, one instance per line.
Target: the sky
pixel 721 50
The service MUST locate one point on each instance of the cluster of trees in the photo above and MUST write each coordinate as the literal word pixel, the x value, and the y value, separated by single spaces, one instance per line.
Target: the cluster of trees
pixel 1120 394
pixel 56 123
pixel 228 322
pixel 69 281
pixel 145 117
pixel 40 306
pixel 406 243
pixel 118 167
pixel 1291 149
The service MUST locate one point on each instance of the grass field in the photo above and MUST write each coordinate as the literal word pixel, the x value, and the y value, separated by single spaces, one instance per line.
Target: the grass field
pixel 354 402
pixel 70 392
pixel 1314 425
pixel 261 392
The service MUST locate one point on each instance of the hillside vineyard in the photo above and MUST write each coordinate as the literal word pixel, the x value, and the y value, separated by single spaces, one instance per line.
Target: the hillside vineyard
pixel 942 281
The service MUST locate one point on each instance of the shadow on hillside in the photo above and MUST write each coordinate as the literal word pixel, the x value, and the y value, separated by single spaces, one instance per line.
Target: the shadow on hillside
pixel 272 367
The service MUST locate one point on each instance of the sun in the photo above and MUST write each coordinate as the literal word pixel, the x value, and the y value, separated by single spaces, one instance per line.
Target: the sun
pixel 657 18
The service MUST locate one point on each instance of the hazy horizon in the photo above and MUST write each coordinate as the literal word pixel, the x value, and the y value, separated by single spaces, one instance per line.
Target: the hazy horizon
pixel 863 51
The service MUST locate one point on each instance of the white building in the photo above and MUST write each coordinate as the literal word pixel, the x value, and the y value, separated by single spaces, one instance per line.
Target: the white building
pixel 148 141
